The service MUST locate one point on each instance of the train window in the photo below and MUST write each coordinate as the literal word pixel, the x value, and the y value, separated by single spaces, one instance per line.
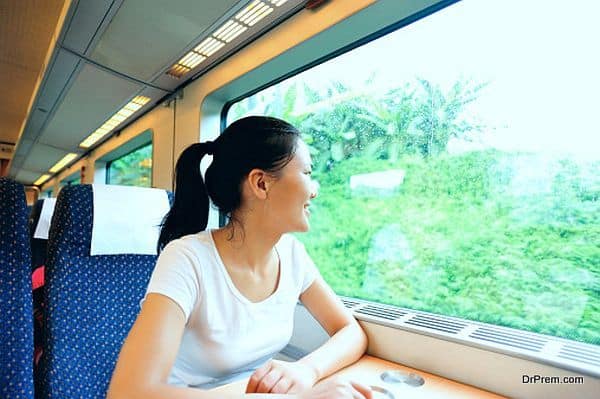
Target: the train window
pixel 132 169
pixel 458 165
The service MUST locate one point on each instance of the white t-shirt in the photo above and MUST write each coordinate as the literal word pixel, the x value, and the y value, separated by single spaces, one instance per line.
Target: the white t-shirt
pixel 226 336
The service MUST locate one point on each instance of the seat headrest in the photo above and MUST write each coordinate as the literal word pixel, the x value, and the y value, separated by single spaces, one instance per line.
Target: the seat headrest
pixel 43 224
pixel 127 220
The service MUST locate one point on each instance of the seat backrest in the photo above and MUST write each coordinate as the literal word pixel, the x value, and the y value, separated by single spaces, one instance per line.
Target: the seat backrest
pixel 91 302
pixel 16 336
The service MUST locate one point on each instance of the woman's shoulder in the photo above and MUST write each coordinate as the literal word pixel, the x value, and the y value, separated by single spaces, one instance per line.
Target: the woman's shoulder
pixel 288 241
pixel 197 244
pixel 291 245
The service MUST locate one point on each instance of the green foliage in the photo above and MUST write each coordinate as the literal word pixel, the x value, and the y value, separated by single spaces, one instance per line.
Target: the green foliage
pixel 464 247
pixel 133 169
pixel 503 238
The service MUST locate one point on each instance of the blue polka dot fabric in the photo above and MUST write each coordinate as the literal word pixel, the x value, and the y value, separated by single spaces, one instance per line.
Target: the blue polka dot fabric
pixel 91 303
pixel 16 343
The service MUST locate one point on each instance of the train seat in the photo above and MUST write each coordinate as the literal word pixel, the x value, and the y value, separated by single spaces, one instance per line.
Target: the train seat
pixel 16 346
pixel 92 298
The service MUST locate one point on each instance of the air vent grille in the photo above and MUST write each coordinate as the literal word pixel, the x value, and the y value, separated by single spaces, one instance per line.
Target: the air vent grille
pixel 516 340
pixel 384 313
pixel 572 355
pixel 437 323
pixel 580 354
pixel 350 304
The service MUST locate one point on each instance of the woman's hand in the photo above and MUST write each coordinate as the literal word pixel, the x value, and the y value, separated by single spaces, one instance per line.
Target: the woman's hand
pixel 282 377
pixel 336 388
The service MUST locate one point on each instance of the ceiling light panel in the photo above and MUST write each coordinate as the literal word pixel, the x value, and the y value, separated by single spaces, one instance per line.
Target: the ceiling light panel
pixel 191 59
pixel 209 46
pixel 114 121
pixel 63 162
pixel 41 180
pixel 277 3
pixel 256 11
pixel 249 16
pixel 229 31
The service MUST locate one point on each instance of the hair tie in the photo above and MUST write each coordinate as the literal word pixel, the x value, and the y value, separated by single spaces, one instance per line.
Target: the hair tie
pixel 210 147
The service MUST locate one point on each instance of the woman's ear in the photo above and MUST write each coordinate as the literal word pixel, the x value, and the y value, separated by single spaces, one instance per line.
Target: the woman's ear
pixel 259 183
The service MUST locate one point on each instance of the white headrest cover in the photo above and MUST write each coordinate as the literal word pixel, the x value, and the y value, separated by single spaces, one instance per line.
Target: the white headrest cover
pixel 126 219
pixel 43 225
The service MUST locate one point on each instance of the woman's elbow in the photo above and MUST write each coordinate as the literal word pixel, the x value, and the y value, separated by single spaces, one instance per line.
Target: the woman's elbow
pixel 363 339
pixel 119 389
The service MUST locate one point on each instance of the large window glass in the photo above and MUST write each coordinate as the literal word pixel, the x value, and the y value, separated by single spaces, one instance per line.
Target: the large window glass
pixel 459 165
pixel 133 169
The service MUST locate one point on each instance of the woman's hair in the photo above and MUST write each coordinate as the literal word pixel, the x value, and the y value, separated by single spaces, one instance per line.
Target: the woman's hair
pixel 254 142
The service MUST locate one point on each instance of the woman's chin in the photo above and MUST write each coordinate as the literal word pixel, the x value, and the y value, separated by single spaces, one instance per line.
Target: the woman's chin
pixel 303 227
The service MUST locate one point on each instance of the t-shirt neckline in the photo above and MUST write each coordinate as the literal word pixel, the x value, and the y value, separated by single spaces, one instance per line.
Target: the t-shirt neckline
pixel 230 282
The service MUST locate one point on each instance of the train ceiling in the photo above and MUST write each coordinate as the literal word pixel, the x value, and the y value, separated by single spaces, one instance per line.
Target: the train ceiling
pixel 110 54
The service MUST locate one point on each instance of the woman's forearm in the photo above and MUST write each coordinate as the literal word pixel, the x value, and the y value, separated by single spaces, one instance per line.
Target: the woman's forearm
pixel 343 348
pixel 165 391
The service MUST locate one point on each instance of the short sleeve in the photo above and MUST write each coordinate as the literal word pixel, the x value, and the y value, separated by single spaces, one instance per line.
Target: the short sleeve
pixel 177 276
pixel 302 260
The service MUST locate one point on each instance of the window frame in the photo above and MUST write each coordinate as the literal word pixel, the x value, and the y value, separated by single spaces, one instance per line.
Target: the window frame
pixel 543 358
pixel 418 350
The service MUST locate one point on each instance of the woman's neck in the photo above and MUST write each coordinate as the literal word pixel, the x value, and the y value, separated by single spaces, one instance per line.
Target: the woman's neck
pixel 248 245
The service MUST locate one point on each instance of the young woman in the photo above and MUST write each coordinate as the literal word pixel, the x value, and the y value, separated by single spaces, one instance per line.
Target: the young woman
pixel 220 302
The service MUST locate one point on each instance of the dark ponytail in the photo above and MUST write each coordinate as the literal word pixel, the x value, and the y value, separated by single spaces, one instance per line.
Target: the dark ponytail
pixel 189 213
pixel 254 142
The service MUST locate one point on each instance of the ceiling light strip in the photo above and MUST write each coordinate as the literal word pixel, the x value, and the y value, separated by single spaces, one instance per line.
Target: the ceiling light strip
pixel 191 59
pixel 223 28
pixel 119 117
pixel 263 13
pixel 227 32
pixel 249 10
pixel 234 31
pixel 41 180
pixel 209 46
pixel 63 162
pixel 255 13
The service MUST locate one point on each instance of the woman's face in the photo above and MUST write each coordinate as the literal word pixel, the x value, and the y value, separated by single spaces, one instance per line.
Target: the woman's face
pixel 289 197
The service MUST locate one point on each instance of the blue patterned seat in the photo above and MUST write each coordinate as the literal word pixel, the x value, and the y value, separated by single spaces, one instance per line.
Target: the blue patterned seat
pixel 16 339
pixel 91 303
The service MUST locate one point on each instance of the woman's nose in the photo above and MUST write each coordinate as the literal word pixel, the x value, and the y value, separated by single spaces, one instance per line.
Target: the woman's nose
pixel 314 189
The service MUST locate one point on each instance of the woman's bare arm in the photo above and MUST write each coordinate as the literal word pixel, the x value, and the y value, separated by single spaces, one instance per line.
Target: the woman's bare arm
pixel 347 342
pixel 148 355
pixel 149 352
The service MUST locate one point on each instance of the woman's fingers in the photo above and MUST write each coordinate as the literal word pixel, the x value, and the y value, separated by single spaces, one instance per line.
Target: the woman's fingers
pixel 363 391
pixel 268 381
pixel 337 388
pixel 282 386
pixel 257 377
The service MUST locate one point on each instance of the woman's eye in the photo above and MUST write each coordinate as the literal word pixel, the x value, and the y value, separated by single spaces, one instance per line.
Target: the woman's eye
pixel 308 172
